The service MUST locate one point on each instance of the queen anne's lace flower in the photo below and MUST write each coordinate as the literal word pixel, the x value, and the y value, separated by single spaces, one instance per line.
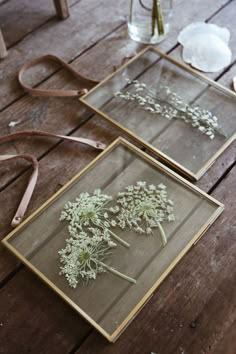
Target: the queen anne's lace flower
pixel 91 211
pixel 140 207
pixel 145 207
pixel 169 105
pixel 82 258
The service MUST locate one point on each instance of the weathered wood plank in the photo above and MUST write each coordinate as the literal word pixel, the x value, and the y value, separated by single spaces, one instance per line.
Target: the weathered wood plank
pixel 17 109
pixel 196 305
pixel 54 169
pixel 118 44
pixel 224 18
pixel 56 326
pixel 23 106
pixel 58 173
pixel 227 343
pixel 44 110
pixel 108 293
pixel 229 156
pixel 45 114
pixel 32 15
pixel 59 166
pixel 179 141
pixel 64 163
pixel 81 30
pixel 88 23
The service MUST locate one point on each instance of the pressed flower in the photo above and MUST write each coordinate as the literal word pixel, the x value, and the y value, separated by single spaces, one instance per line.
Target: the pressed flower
pixel 145 208
pixel 91 211
pixel 83 257
pixel 169 105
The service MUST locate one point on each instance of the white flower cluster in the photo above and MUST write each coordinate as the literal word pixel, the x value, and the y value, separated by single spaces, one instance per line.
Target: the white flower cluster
pixel 140 206
pixel 82 256
pixel 169 105
pixel 145 207
pixel 89 227
pixel 89 210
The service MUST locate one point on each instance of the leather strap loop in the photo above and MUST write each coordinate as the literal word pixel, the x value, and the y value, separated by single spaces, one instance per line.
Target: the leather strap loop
pixel 33 179
pixel 29 189
pixel 45 93
pixel 95 144
pixel 53 93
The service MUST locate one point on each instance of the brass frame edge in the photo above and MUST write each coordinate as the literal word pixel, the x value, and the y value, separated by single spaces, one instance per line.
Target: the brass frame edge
pixel 112 337
pixel 194 176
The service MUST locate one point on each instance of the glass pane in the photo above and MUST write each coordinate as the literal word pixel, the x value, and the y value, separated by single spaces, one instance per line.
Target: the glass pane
pixel 109 300
pixel 172 89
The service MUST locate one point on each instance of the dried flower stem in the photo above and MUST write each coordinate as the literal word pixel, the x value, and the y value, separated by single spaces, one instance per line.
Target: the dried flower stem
pixel 120 240
pixel 193 114
pixel 131 12
pixel 157 18
pixel 169 105
pixel 116 272
pixel 163 235
pixel 82 258
pixel 160 19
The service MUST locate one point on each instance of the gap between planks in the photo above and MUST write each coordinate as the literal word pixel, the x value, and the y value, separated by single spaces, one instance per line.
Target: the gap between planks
pixel 75 348
pixel 77 57
pixel 51 149
pixel 71 4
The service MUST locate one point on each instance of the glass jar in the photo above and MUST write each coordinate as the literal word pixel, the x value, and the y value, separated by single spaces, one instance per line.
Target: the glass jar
pixel 149 20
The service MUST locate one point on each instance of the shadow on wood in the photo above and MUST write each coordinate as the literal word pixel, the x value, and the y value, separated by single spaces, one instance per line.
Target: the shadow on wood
pixel 62 10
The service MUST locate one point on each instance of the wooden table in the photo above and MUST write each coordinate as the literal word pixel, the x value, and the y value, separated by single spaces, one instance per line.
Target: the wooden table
pixel 194 310
pixel 62 10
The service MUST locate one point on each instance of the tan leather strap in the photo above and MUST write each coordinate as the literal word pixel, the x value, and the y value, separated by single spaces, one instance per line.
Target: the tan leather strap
pixel 96 144
pixel 59 93
pixel 29 189
pixel 45 93
pixel 33 179
pixel 53 93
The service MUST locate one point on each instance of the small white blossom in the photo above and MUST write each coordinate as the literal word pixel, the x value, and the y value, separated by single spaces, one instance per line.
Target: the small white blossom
pixel 82 258
pixel 144 208
pixel 91 211
pixel 169 105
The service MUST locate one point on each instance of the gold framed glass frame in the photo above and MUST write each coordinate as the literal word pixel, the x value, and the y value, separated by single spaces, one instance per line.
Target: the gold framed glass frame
pixel 110 303
pixel 177 87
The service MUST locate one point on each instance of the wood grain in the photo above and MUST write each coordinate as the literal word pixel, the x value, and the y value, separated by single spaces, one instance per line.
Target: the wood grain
pixel 32 15
pixel 37 110
pixel 111 299
pixel 67 39
pixel 35 328
pixel 85 23
pixel 196 305
pixel 194 310
pixel 59 166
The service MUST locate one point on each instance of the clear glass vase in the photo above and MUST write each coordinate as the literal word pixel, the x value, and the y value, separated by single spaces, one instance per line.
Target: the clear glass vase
pixel 149 20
